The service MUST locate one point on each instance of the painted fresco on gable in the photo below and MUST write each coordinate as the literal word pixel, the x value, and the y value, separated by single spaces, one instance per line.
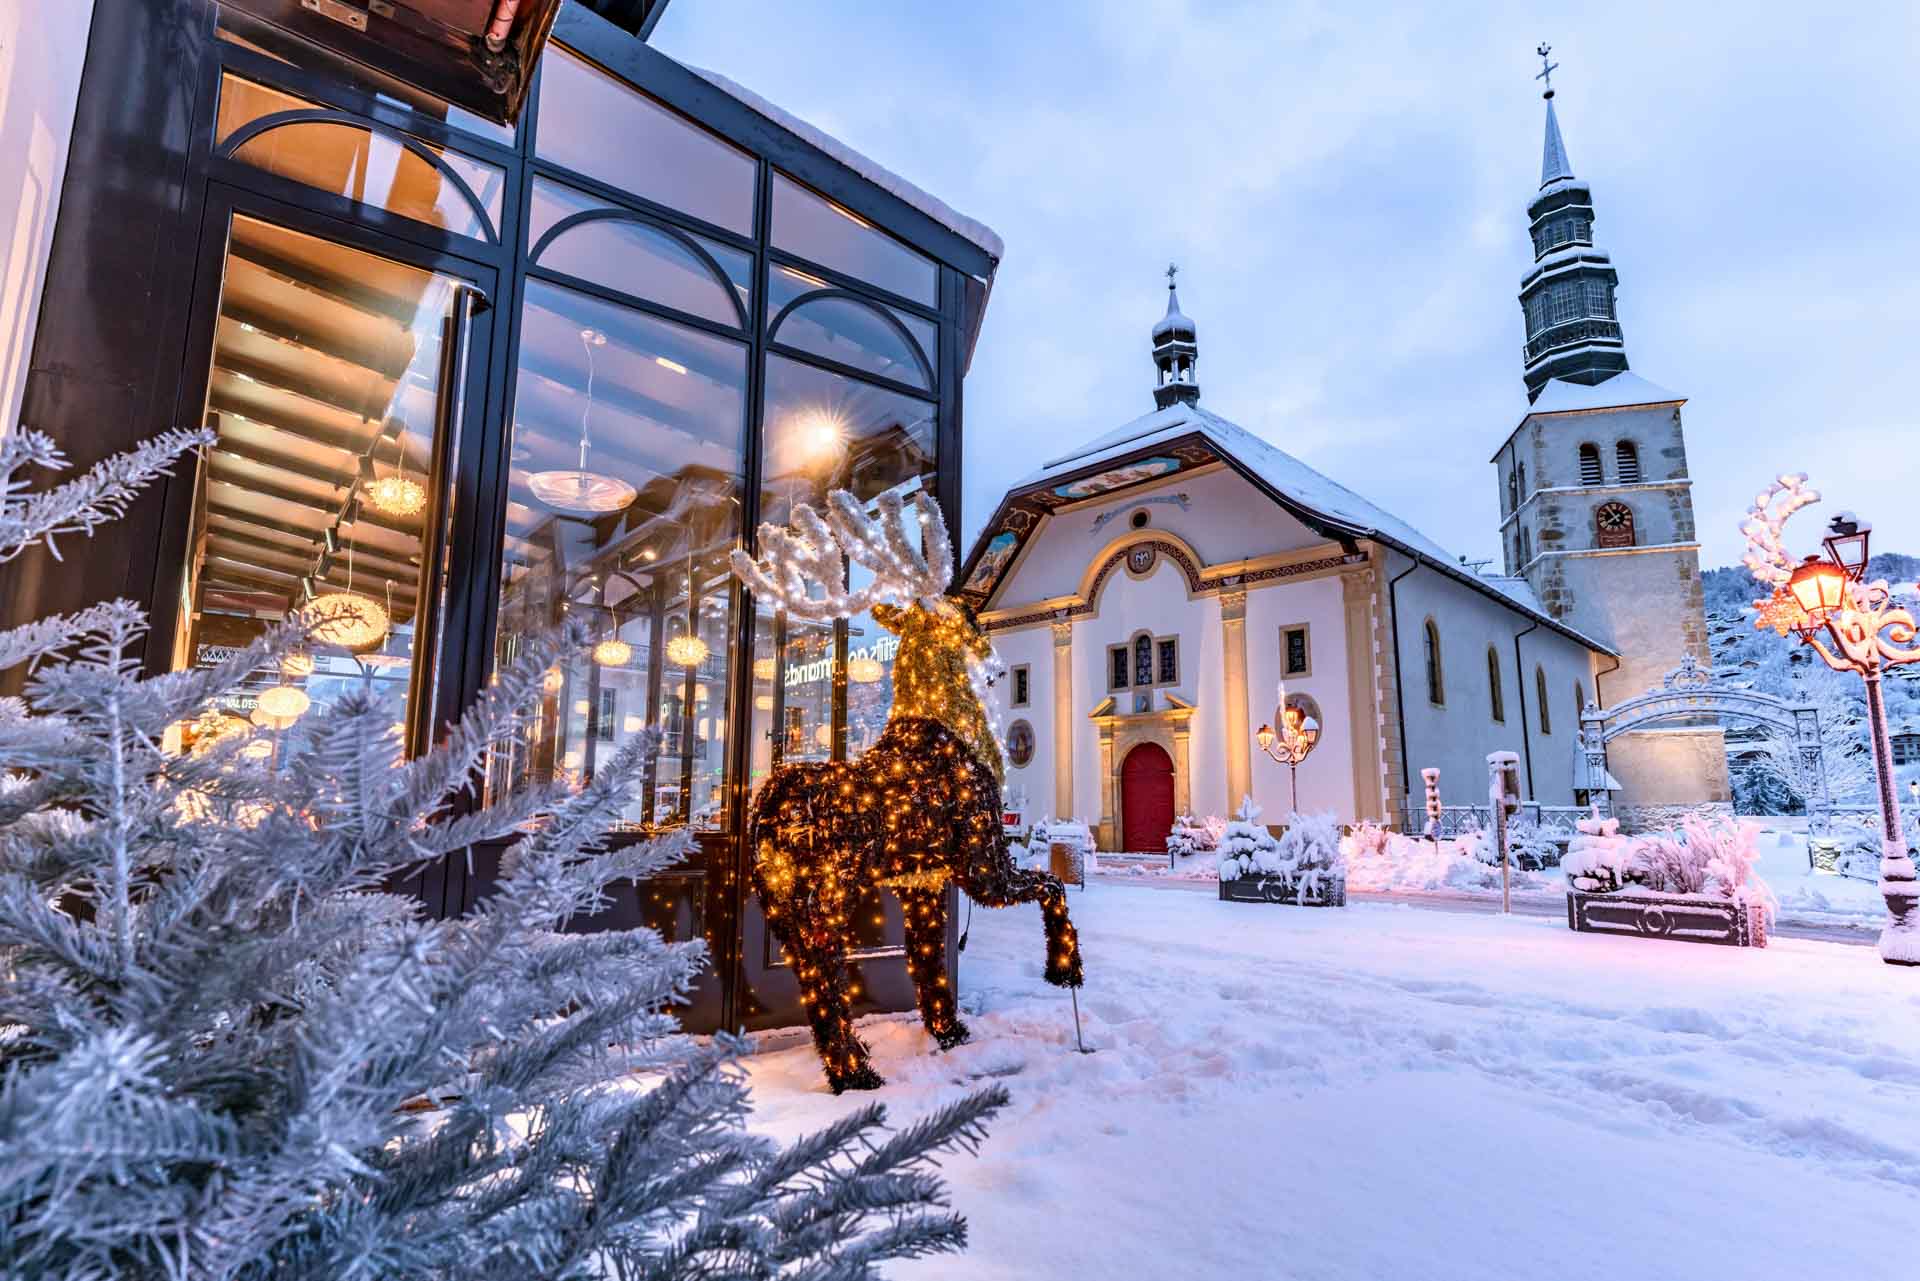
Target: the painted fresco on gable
pixel 998 555
pixel 1130 474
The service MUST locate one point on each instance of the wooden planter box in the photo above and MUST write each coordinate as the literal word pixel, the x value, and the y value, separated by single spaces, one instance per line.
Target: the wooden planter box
pixel 1275 889
pixel 1668 916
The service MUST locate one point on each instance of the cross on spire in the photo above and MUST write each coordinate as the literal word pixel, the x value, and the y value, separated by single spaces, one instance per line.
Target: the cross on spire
pixel 1172 271
pixel 1546 68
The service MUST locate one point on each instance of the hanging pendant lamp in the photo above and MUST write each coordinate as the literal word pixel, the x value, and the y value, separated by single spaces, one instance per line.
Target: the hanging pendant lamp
pixel 396 493
pixel 580 491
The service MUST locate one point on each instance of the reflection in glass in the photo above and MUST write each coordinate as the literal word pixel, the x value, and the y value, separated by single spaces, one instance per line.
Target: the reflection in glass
pixel 817 229
pixel 325 395
pixel 371 168
pixel 283 46
pixel 828 690
pixel 602 127
pixel 853 333
pixel 664 410
pixel 638 258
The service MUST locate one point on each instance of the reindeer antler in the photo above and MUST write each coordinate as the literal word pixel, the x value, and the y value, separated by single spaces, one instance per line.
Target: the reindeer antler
pixel 794 561
pixel 1767 556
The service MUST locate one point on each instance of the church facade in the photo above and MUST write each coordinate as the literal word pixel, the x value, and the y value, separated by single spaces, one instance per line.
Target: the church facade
pixel 1154 591
pixel 1157 592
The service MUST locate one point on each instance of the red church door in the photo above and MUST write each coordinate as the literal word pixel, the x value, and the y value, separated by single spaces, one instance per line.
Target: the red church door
pixel 1146 799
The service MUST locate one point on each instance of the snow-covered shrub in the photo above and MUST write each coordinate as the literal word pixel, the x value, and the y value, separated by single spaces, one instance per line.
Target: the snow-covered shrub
pixel 1477 843
pixel 1368 839
pixel 1309 854
pixel 1596 859
pixel 1247 848
pixel 1534 845
pixel 1192 835
pixel 1668 863
pixel 1732 855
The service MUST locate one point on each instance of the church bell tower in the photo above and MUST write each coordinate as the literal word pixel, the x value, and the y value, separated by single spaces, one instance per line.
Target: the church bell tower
pixel 1175 352
pixel 1596 501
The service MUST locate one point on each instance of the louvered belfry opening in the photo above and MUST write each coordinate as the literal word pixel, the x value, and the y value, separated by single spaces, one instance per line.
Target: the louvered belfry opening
pixel 1589 465
pixel 324 395
pixel 1626 460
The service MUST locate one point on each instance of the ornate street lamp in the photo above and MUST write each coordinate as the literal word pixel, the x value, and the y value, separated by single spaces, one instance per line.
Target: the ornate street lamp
pixel 1298 734
pixel 1855 627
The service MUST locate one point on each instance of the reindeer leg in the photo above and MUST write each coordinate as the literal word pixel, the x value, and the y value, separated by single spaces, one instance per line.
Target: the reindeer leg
pixel 1001 884
pixel 926 913
pixel 822 974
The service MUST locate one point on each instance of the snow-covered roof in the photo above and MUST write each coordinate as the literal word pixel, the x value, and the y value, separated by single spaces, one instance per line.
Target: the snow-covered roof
pixel 968 229
pixel 1618 392
pixel 1287 475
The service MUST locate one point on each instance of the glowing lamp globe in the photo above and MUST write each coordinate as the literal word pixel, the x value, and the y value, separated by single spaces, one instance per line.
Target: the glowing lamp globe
pixel 258 750
pixel 1264 737
pixel 582 493
pixel 1818 587
pixel 295 665
pixel 397 496
pixel 284 702
pixel 865 670
pixel 687 650
pixel 763 702
pixel 346 619
pixel 823 735
pixel 1310 731
pixel 613 653
pixel 763 669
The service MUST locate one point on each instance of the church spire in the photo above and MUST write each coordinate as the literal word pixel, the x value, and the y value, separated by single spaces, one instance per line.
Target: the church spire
pixel 1573 333
pixel 1553 157
pixel 1175 352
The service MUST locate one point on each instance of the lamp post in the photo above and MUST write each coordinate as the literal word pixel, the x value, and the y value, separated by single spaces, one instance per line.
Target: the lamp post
pixel 1855 627
pixel 1298 734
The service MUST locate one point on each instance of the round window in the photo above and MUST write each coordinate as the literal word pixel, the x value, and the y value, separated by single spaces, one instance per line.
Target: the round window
pixel 1141 519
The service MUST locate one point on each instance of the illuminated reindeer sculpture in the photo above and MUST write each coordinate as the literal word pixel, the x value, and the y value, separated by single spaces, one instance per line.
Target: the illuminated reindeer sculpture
pixel 917 809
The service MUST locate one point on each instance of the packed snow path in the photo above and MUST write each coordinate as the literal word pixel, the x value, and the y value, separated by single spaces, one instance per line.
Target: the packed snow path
pixel 1385 1092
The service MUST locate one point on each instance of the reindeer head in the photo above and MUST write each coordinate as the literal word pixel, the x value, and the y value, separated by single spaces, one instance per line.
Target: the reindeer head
pixel 942 646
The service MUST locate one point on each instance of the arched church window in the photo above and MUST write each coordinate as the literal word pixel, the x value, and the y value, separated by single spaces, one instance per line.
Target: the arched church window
pixel 1495 699
pixel 1523 480
pixel 1540 695
pixel 1590 465
pixel 1613 523
pixel 1526 547
pixel 1143 659
pixel 1436 686
pixel 1626 463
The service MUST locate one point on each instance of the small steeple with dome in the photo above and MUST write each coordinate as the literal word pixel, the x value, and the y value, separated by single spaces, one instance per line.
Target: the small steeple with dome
pixel 1573 333
pixel 1175 351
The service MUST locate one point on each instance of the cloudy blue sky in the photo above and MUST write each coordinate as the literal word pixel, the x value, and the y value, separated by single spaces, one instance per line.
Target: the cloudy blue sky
pixel 1344 188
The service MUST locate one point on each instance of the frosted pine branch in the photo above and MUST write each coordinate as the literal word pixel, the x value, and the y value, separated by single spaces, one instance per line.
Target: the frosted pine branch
pixel 83 504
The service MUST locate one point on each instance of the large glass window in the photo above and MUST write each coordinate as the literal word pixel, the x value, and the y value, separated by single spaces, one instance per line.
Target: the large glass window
pixel 819 230
pixel 604 128
pixel 325 395
pixel 824 690
pixel 611 247
pixel 369 167
pixel 867 336
pixel 623 505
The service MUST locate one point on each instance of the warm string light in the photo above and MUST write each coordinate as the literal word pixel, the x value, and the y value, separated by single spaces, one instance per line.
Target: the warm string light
pixel 917 810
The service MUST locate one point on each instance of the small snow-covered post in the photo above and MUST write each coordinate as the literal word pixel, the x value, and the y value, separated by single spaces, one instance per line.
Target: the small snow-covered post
pixel 1431 777
pixel 1503 797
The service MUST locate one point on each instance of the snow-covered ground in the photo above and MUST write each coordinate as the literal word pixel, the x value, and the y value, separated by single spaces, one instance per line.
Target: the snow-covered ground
pixel 1389 1092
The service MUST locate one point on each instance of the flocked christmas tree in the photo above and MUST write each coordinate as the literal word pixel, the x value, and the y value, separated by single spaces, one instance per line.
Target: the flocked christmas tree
pixel 226 1051
pixel 1247 848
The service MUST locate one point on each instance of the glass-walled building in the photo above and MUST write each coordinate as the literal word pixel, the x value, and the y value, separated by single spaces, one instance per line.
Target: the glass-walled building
pixel 471 381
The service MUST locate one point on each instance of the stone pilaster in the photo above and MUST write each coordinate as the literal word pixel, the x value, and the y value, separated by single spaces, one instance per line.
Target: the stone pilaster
pixel 1233 652
pixel 1372 684
pixel 1062 719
